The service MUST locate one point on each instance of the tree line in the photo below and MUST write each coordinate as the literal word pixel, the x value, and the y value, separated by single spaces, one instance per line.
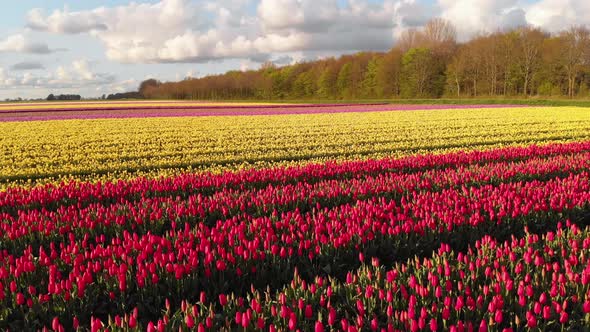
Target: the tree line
pixel 53 97
pixel 424 63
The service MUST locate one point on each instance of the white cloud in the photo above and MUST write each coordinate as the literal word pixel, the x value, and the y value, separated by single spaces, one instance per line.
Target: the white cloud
pixel 19 43
pixel 197 31
pixel 79 75
pixel 556 15
pixel 122 86
pixel 81 68
pixel 474 16
pixel 66 21
pixel 193 31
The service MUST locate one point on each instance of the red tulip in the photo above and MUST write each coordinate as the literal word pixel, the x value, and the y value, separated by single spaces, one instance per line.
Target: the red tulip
pixel 433 324
pixel 308 311
pixel 546 312
pixel 75 323
pixel 498 316
pixel 344 324
pixel 55 324
pixel 531 320
pixel 292 322
pixel 483 326
pixel 189 321
pixel 374 324
pixel 203 297
pixel 331 317
pixel 319 327
pixel 223 300
pixel 564 317
pixel 20 299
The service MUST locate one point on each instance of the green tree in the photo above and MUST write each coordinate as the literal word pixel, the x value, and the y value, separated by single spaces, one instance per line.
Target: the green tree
pixel 343 83
pixel 369 83
pixel 303 86
pixel 420 74
pixel 327 82
pixel 388 74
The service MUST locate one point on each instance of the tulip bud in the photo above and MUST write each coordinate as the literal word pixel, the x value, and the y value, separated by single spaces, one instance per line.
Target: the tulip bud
pixel 433 325
pixel 564 317
pixel 331 317
pixel 374 324
pixel 55 324
pixel 546 312
pixel 344 324
pixel 20 299
pixel 202 297
pixel 189 321
pixel 319 327
pixel 308 311
pixel 498 316
pixel 292 322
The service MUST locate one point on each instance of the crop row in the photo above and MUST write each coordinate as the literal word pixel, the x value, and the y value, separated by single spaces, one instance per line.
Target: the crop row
pixel 84 193
pixel 531 283
pixel 38 152
pixel 92 270
pixel 35 222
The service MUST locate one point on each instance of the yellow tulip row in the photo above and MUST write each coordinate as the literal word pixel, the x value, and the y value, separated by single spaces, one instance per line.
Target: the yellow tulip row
pixel 38 152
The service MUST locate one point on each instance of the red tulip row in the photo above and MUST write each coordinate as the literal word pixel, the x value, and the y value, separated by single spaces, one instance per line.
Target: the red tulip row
pixel 108 219
pixel 236 252
pixel 79 194
pixel 535 283
pixel 105 256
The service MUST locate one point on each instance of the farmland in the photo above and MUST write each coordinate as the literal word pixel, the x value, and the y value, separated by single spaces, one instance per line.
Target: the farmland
pixel 176 215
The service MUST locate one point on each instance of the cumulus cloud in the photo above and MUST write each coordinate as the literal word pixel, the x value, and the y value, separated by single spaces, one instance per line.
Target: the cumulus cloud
pixel 79 75
pixel 473 16
pixel 198 31
pixel 27 65
pixel 118 86
pixel 65 21
pixel 19 43
pixel 556 15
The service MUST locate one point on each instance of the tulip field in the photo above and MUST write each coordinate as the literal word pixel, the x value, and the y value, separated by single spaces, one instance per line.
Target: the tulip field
pixel 178 216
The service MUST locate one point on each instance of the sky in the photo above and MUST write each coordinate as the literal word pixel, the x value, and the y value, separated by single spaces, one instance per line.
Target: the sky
pixel 93 47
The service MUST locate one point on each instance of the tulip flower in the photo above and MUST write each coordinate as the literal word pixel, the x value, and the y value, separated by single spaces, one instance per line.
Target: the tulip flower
pixel 319 327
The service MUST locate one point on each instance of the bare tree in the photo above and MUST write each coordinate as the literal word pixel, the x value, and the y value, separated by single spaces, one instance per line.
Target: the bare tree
pixel 409 39
pixel 456 71
pixel 530 44
pixel 574 52
pixel 440 35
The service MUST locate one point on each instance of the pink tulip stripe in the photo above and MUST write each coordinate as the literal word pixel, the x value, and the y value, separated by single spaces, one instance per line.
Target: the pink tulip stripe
pixel 140 111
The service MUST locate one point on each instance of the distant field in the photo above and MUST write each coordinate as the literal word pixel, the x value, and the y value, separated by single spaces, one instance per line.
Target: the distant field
pixel 113 104
pixel 243 217
pixel 145 110
pixel 162 143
